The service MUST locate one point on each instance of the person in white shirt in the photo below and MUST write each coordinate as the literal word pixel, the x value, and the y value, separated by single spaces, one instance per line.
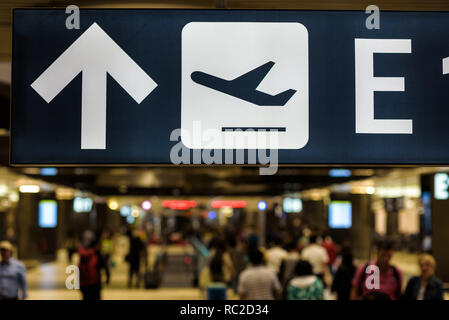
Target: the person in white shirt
pixel 275 255
pixel 317 256
pixel 257 282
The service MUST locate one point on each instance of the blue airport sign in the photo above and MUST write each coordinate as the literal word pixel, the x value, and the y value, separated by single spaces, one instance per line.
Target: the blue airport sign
pixel 159 86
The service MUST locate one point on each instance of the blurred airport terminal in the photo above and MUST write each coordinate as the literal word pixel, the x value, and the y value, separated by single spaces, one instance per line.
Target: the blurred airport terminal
pixel 173 215
pixel 178 232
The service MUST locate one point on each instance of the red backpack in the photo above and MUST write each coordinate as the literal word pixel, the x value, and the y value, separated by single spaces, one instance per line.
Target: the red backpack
pixel 88 266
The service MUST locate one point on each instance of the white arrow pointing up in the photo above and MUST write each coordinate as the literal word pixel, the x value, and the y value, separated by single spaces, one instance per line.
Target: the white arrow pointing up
pixel 95 54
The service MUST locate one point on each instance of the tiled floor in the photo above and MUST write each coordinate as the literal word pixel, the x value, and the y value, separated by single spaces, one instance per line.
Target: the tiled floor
pixel 119 294
pixel 47 281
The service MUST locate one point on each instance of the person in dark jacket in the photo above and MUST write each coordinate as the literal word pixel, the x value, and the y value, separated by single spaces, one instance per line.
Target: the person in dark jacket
pixel 343 277
pixel 426 286
pixel 134 256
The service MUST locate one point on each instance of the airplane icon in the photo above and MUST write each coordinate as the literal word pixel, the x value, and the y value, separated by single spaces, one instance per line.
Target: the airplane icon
pixel 244 86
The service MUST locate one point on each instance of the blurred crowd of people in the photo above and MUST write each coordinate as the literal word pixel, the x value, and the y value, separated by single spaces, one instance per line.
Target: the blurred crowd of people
pixel 314 268
pixel 306 267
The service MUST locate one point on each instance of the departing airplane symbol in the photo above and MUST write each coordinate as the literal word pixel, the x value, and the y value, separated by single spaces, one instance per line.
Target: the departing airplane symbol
pixel 94 54
pixel 244 86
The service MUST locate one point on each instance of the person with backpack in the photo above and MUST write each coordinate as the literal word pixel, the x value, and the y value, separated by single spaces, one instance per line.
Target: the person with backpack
pixel 90 266
pixel 379 276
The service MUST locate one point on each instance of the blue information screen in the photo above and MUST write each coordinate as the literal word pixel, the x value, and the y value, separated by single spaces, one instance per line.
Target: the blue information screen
pixel 340 214
pixel 48 214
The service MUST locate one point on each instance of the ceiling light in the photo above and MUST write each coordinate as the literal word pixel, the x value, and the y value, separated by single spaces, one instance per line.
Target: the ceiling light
pixel 113 204
pixel 29 188
pixel 146 205
pixel 228 203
